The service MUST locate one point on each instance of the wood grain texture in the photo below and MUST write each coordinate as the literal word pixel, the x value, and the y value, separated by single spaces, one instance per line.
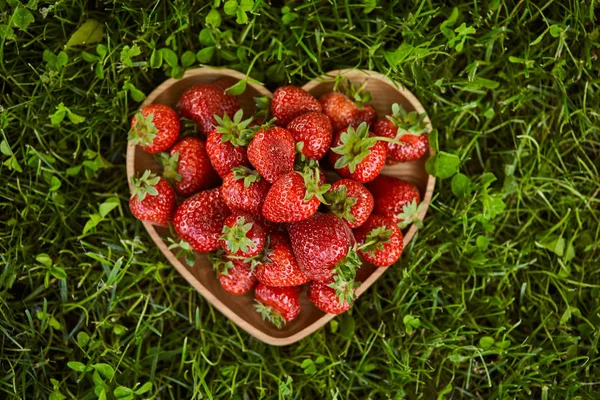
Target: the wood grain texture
pixel 202 277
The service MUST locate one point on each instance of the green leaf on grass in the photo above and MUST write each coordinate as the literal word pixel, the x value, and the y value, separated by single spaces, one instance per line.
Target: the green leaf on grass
pixel 461 185
pixel 237 88
pixel 76 366
pixel 205 55
pixel 21 18
pixel 553 243
pixel 58 272
pixel 206 38
pixel 188 58
pixel 170 57
pixel 146 387
pixel 213 18
pixel 486 342
pixel 105 370
pixel 411 323
pixel 443 165
pixel 91 31
pixel 230 7
pixel 83 339
pixel 109 205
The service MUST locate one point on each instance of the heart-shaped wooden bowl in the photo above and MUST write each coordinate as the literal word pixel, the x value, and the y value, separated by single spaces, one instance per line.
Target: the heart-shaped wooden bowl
pixel 239 308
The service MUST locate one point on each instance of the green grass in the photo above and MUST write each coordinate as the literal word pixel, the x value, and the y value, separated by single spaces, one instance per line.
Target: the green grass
pixel 498 297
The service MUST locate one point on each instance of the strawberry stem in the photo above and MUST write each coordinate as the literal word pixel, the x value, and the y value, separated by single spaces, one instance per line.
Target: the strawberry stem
pixel 170 165
pixel 235 130
pixel 311 182
pixel 410 215
pixel 339 204
pixel 143 131
pixel 375 240
pixel 220 263
pixel 236 237
pixel 270 314
pixel 185 250
pixel 144 185
pixel 249 176
pixel 410 123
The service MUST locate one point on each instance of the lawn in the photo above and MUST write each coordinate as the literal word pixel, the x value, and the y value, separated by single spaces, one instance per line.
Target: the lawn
pixel 498 297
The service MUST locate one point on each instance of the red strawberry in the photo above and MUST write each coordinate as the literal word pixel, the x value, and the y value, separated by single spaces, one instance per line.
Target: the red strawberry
pixel 348 110
pixel 279 267
pixel 294 197
pixel 243 236
pixel 188 167
pixel 325 298
pixel 226 143
pixel 152 199
pixel 407 128
pixel 203 101
pixel 272 152
pixel 155 128
pixel 277 305
pixel 199 220
pixel 350 201
pixel 313 130
pixel 234 275
pixel 323 246
pixel 244 190
pixel 396 199
pixel 358 154
pixel 379 241
pixel 290 102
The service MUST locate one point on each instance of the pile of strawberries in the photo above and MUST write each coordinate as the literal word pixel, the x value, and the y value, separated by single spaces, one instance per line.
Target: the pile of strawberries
pixel 253 193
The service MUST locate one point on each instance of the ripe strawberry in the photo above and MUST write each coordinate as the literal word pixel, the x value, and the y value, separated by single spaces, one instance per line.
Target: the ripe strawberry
pixel 350 201
pixel 155 128
pixel 358 154
pixel 152 199
pixel 350 109
pixel 243 236
pixel 324 248
pixel 272 152
pixel 279 267
pixel 199 220
pixel 244 190
pixel 234 274
pixel 203 101
pixel 295 196
pixel 290 102
pixel 188 167
pixel 379 241
pixel 407 128
pixel 226 143
pixel 325 298
pixel 277 305
pixel 313 130
pixel 396 199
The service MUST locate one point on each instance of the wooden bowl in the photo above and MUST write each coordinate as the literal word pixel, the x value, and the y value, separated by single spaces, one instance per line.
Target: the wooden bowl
pixel 239 308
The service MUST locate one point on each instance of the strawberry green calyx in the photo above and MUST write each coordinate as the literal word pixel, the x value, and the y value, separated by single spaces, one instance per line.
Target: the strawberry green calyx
pixel 264 257
pixel 356 146
pixel 375 240
pixel 235 130
pixel 408 122
pixel 184 250
pixel 144 185
pixel 358 95
pixel 270 314
pixel 236 237
pixel 313 187
pixel 263 107
pixel 410 215
pixel 170 164
pixel 144 131
pixel 219 262
pixel 340 205
pixel 249 176
pixel 344 276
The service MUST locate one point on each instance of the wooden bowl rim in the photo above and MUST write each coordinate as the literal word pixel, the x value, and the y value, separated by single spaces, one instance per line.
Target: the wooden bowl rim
pixel 185 272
